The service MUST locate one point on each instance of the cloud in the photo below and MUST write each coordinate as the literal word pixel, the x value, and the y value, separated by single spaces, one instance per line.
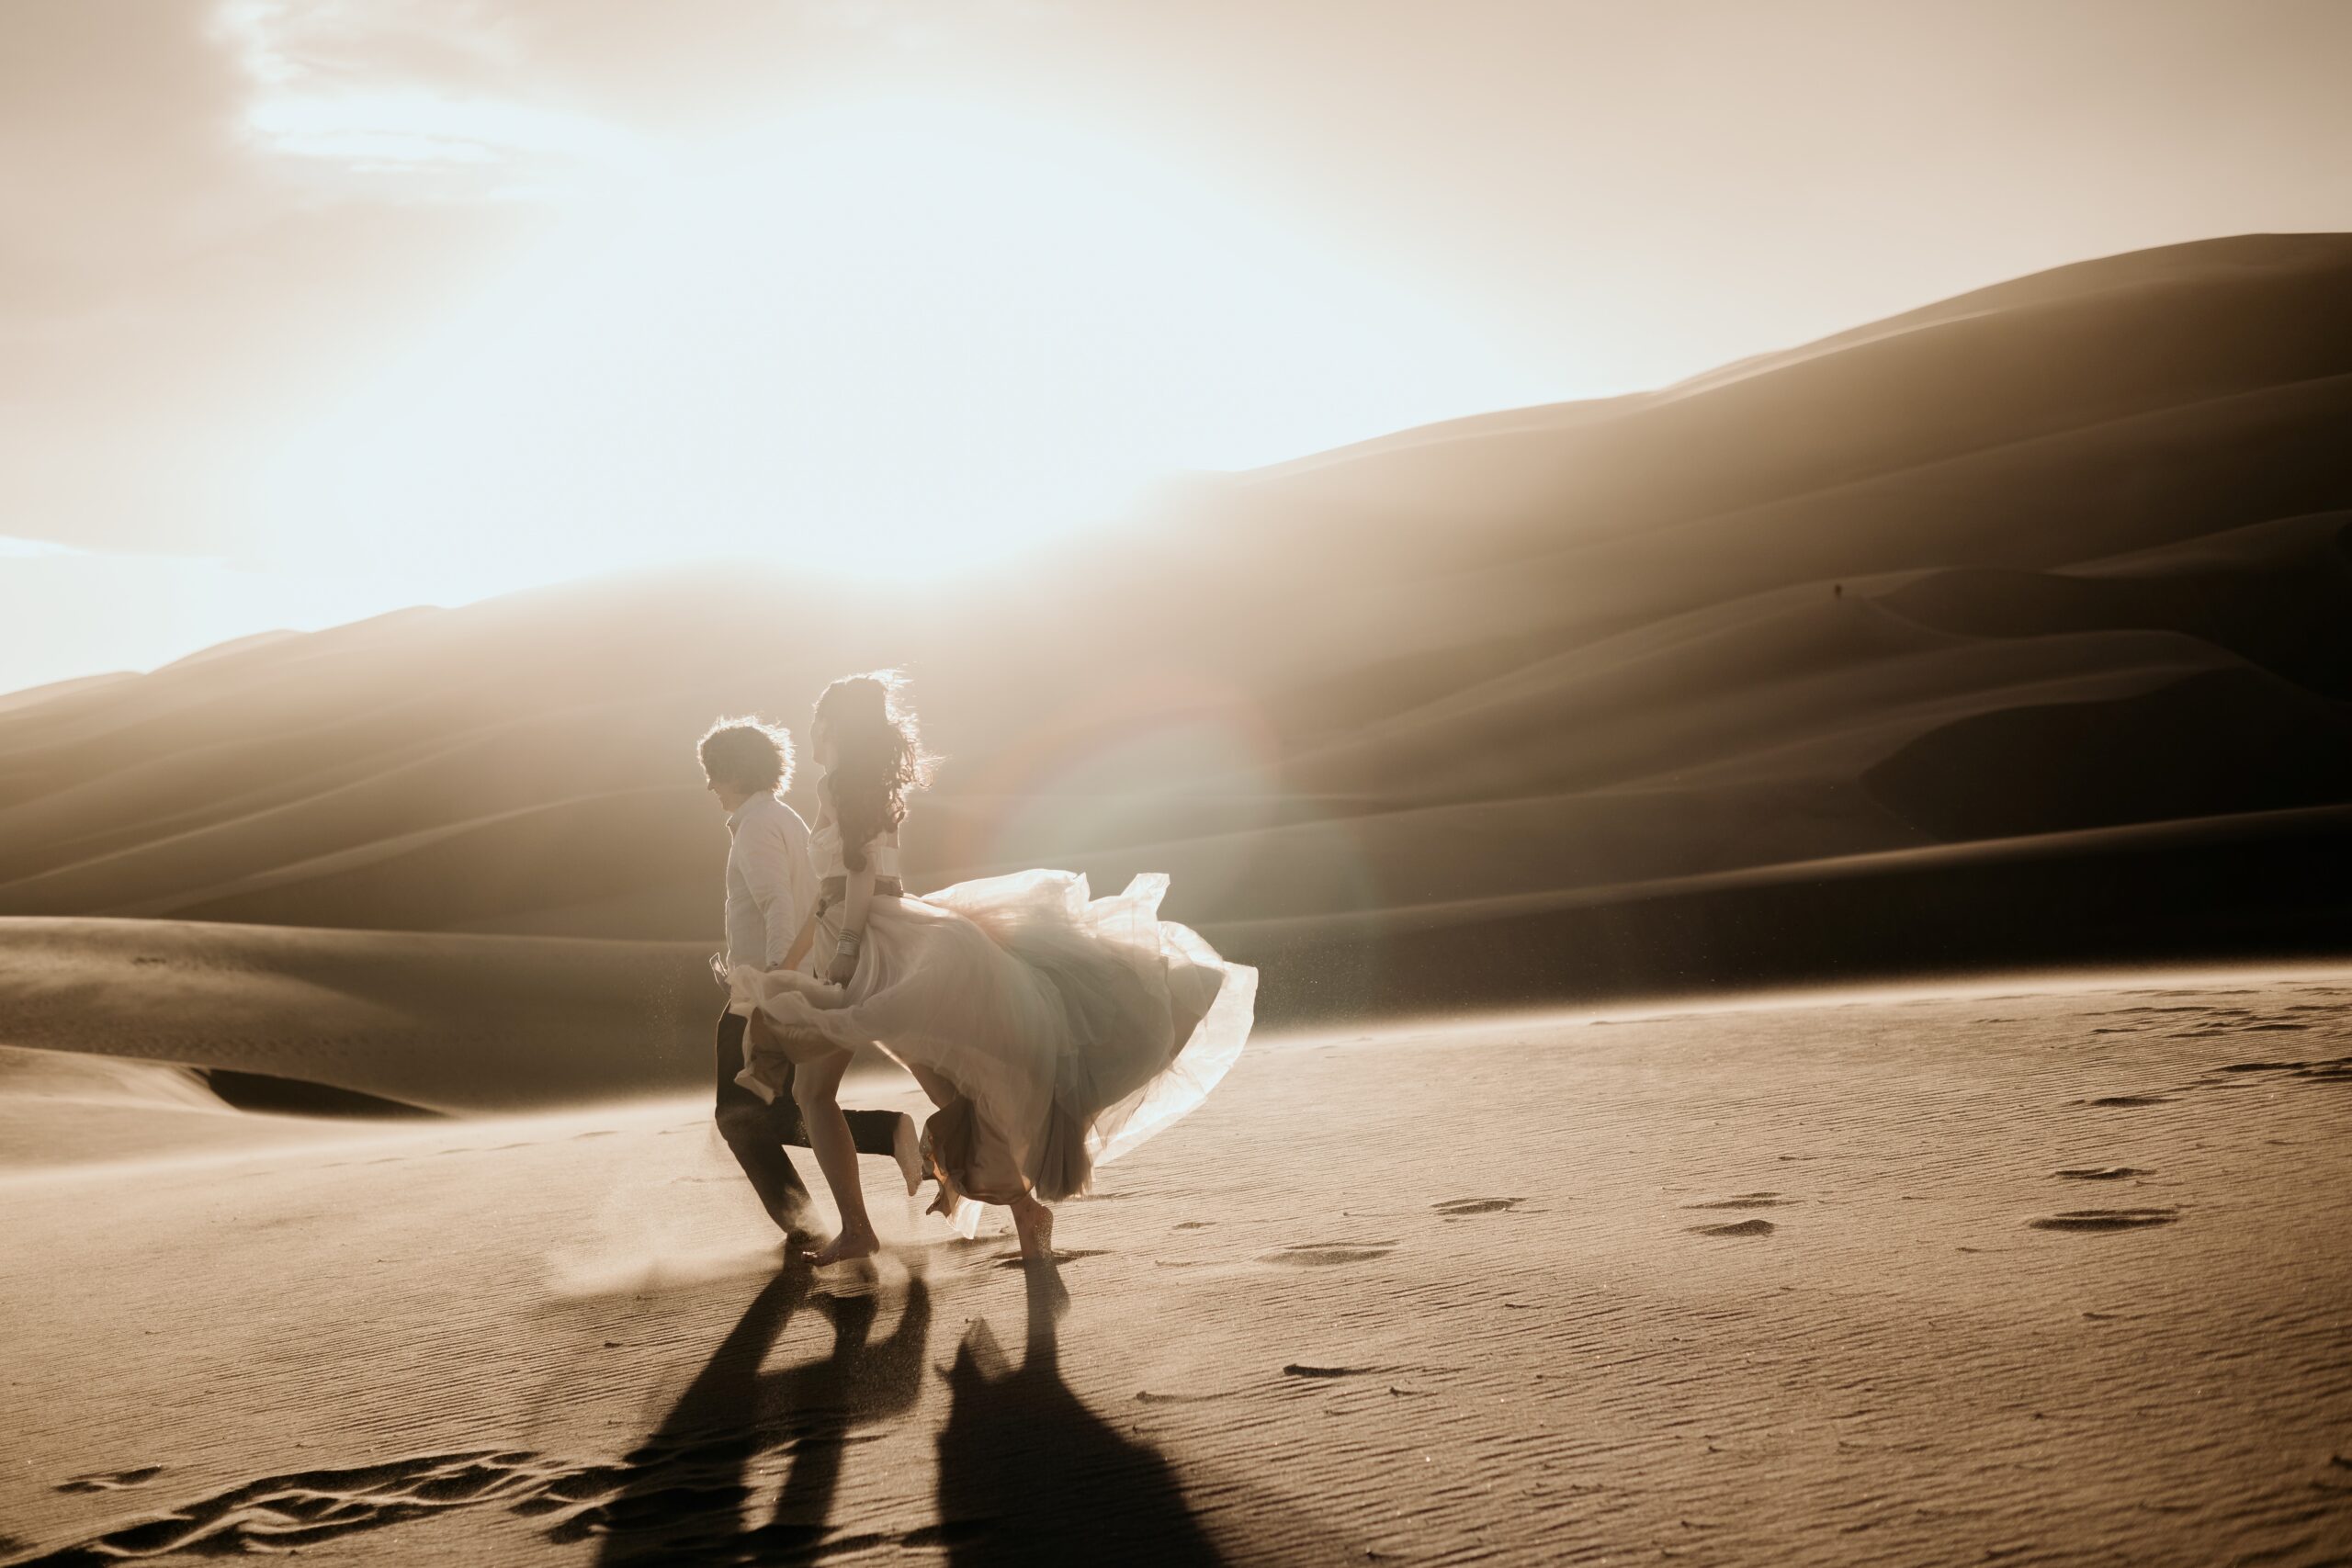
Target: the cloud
pixel 12 548
pixel 427 101
pixel 117 133
pixel 170 288
pixel 412 131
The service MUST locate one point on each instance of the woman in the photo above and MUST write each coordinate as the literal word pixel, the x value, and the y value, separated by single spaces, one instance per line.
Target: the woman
pixel 1053 1032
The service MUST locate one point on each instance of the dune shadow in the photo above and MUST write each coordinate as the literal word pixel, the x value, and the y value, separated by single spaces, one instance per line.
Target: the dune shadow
pixel 270 1094
pixel 1029 1475
pixel 681 1496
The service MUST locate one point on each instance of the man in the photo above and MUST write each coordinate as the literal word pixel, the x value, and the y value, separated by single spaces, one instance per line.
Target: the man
pixel 770 891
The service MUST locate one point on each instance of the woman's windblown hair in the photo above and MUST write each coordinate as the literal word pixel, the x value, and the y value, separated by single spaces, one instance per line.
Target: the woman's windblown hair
pixel 878 757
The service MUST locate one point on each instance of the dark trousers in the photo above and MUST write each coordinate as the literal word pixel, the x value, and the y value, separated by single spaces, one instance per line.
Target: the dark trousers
pixel 758 1133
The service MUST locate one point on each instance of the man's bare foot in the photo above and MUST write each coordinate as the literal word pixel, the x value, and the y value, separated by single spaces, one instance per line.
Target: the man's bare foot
pixel 846 1246
pixel 1034 1224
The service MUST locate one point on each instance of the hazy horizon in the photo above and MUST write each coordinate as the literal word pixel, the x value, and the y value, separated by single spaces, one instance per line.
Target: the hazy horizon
pixel 315 314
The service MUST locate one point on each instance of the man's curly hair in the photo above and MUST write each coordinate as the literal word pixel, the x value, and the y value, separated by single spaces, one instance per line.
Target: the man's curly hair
pixel 745 754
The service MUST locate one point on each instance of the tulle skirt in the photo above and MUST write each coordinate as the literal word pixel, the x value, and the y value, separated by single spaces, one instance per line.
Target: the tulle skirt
pixel 1072 1028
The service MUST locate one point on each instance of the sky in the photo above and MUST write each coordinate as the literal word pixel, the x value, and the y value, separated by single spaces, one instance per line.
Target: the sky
pixel 308 310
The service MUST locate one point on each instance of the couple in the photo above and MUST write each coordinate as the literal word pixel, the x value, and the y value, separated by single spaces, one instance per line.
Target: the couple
pixel 1051 1031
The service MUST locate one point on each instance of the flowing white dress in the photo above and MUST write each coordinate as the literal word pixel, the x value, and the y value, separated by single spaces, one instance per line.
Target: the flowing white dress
pixel 1073 1026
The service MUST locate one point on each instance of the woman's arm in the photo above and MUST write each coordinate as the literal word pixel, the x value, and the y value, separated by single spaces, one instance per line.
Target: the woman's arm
pixel 855 899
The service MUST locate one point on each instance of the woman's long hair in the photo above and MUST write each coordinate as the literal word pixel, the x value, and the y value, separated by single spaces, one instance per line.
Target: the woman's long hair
pixel 878 757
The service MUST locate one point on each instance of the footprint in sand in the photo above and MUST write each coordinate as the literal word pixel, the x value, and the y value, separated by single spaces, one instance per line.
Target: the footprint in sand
pixel 1454 1208
pixel 1749 1200
pixel 1323 1254
pixel 276 1514
pixel 273 1512
pixel 1061 1254
pixel 2334 1070
pixel 2106 1219
pixel 2101 1173
pixel 114 1480
pixel 1736 1227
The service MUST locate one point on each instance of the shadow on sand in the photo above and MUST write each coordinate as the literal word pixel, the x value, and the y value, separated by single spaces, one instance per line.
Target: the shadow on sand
pixel 684 1490
pixel 1029 1475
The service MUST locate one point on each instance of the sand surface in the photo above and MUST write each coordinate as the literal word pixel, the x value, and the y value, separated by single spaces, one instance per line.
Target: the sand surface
pixel 2027 1272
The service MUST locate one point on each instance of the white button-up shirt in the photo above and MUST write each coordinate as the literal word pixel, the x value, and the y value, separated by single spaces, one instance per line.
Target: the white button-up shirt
pixel 771 886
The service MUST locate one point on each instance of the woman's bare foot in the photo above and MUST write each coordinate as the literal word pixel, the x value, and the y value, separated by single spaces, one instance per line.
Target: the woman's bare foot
pixel 846 1246
pixel 1033 1222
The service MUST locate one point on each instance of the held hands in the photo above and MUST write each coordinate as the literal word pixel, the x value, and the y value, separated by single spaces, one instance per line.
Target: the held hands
pixel 845 958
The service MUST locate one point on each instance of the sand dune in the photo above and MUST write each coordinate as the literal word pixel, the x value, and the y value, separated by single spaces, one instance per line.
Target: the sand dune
pixel 2017 1271
pixel 404 1016
pixel 2068 555
pixel 66 1108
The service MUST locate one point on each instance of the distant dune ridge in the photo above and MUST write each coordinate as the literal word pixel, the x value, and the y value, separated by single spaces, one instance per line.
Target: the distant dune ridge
pixel 2011 627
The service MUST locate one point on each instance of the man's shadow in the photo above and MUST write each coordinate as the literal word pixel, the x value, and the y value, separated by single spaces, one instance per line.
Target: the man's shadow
pixel 680 1494
pixel 1029 1475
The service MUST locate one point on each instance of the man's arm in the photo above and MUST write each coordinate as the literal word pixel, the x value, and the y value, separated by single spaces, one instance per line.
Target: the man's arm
pixel 805 888
pixel 767 870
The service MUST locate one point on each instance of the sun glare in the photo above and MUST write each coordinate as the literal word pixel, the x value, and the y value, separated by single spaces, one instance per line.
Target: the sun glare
pixel 901 337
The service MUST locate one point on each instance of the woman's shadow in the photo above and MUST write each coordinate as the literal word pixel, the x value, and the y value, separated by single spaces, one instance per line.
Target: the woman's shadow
pixel 681 1495
pixel 1029 1475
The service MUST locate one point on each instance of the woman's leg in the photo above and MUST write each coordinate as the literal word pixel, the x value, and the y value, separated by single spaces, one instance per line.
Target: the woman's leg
pixel 815 1084
pixel 1034 1224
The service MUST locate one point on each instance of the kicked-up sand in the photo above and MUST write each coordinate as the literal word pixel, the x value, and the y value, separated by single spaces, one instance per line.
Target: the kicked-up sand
pixel 2038 1272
